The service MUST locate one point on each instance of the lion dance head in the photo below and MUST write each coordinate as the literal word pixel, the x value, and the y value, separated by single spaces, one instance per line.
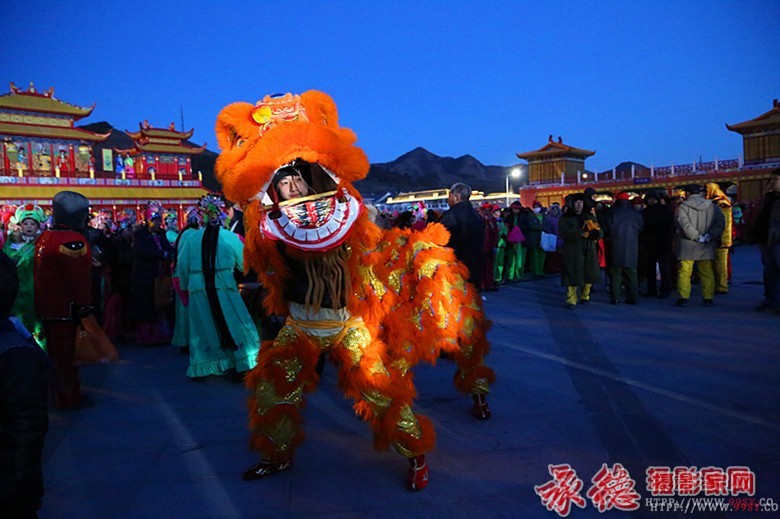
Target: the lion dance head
pixel 287 158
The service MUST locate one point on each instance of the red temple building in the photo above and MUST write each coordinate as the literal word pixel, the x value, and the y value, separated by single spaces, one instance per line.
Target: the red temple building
pixel 39 138
pixel 43 152
pixel 160 153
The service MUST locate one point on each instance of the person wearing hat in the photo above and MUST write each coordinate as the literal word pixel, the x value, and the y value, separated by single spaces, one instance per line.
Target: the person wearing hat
pixel 63 291
pixel 580 231
pixel 656 240
pixel 699 225
pixel 20 247
pixel 622 227
pixel 152 254
pixel 723 246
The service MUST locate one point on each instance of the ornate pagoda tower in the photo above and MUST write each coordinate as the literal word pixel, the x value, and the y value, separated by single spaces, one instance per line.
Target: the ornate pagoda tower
pixel 42 153
pixel 760 137
pixel 555 162
pixel 159 153
pixel 39 138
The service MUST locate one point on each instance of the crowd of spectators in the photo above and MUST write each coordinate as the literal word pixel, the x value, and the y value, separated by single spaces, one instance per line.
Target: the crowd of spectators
pixel 639 245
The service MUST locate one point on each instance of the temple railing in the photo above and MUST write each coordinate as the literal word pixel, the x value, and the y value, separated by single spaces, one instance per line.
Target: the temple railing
pixel 81 173
pixel 106 182
pixel 647 175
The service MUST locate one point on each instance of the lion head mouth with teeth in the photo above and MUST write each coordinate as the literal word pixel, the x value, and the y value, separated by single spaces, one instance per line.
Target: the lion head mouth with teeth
pixel 288 161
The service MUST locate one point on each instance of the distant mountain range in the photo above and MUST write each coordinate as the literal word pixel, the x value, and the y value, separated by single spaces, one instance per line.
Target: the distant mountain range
pixel 420 169
pixel 416 170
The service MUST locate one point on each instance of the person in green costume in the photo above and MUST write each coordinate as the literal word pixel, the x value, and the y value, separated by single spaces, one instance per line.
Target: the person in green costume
pixel 223 337
pixel 20 247
pixel 515 252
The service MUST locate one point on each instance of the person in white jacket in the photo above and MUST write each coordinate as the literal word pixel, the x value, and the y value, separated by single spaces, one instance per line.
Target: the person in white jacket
pixel 699 224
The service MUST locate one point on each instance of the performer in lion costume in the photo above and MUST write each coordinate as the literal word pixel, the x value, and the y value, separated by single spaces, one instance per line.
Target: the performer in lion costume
pixel 377 302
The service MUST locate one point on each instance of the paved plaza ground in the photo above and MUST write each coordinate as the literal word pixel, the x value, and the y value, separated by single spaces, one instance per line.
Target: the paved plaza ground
pixel 645 385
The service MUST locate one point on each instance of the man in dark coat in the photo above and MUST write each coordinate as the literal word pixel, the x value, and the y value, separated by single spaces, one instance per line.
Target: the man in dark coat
pixel 657 238
pixel 467 231
pixel 766 231
pixel 623 225
pixel 63 290
pixel 151 256
pixel 579 231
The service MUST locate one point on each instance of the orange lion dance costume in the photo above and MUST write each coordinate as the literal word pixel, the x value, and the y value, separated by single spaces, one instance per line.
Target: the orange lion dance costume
pixel 378 302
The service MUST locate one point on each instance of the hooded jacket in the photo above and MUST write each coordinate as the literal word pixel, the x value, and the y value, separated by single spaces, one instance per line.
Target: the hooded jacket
pixel 715 194
pixel 696 217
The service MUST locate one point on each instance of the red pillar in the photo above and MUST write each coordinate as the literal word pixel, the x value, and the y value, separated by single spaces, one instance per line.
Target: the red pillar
pixel 6 162
pixel 29 159
pixel 71 161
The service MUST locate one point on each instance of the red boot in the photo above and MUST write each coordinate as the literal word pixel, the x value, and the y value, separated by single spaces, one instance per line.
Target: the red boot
pixel 418 473
pixel 481 409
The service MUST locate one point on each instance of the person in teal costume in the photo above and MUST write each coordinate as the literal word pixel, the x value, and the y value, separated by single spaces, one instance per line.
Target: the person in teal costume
pixel 181 329
pixel 20 247
pixel 223 336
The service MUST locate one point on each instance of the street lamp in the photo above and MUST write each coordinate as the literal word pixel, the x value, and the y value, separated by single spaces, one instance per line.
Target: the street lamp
pixel 515 173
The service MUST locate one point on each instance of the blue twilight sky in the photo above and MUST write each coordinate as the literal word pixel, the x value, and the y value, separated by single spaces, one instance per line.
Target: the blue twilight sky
pixel 648 81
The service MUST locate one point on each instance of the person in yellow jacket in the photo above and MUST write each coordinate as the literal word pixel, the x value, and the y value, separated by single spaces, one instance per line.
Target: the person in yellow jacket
pixel 723 246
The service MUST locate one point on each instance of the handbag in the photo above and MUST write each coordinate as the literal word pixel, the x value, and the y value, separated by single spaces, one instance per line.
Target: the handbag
pixel 549 242
pixel 163 292
pixel 515 236
pixel 92 344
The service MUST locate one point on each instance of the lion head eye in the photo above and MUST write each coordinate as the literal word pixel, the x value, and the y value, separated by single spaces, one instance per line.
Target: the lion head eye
pixel 239 142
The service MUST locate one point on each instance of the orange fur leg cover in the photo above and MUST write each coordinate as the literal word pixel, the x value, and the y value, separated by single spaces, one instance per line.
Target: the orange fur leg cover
pixel 286 370
pixel 472 376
